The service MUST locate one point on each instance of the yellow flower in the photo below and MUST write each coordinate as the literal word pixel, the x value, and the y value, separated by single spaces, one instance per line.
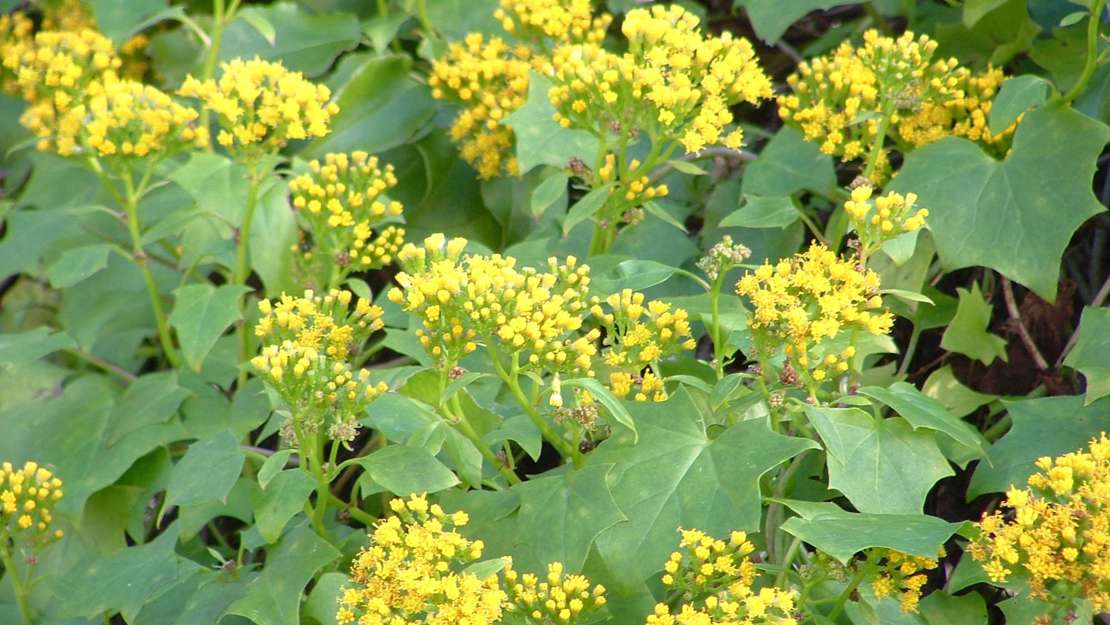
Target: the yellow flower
pixel 307 343
pixel 342 207
pixel 673 84
pixel 899 572
pixel 883 218
pixel 965 114
pixel 410 573
pixel 810 298
pixel 27 499
pixel 262 105
pixel 1058 531
pixel 559 20
pixel 838 100
pixel 557 598
pixel 15 38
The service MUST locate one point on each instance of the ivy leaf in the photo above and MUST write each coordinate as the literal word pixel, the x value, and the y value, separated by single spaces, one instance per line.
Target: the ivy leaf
pixel 274 597
pixel 956 398
pixel 882 466
pixel 585 208
pixel 76 264
pixel 843 534
pixel 207 471
pixel 1047 426
pixel 757 211
pixel 548 192
pixel 1016 96
pixel 324 598
pixel 303 42
pixel 542 141
pixel 282 499
pixel 153 398
pixel 560 516
pixel 404 470
pixel 1091 354
pixel 967 332
pixel 789 163
pixel 922 411
pixel 771 18
pixel 941 608
pixel 272 466
pixel 676 476
pixel 201 313
pixel 19 349
pixel 1017 215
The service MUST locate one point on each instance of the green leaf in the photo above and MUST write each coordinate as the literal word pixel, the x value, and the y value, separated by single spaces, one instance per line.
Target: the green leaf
pixel 272 466
pixel 542 141
pixel 1047 426
pixel 404 470
pixel 1073 18
pixel 283 497
pixel 201 313
pixel 882 466
pixel 956 398
pixel 76 264
pixel 123 581
pixel 19 349
pixel 614 407
pixel 635 274
pixel 585 208
pixel 217 184
pixel 789 163
pixel 967 333
pixel 258 21
pixel 548 192
pixel 560 517
pixel 151 399
pixel 657 210
pixel 119 20
pixel 843 534
pixel 1017 95
pixel 324 598
pixel 771 18
pixel 686 167
pixel 274 597
pixel 304 42
pixel 1017 215
pixel 974 10
pixel 924 412
pixel 763 212
pixel 380 108
pixel 676 476
pixel 941 608
pixel 207 471
pixel 1091 354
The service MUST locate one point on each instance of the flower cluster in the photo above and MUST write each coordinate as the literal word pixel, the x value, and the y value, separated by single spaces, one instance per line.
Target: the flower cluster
pixel 342 207
pixel 882 218
pixel 635 187
pixel 714 579
pixel 262 105
pixel 637 336
pixel 900 573
pixel 964 115
pixel 532 316
pixel 845 100
pixel 1057 531
pixel 307 345
pixel 723 256
pixel 15 34
pixel 410 573
pixel 118 118
pixel 559 600
pixel 75 15
pixel 673 83
pixel 27 499
pixel 812 297
pixel 557 20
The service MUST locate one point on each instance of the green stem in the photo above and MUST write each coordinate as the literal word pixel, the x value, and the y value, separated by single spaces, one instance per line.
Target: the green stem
pixel 311 461
pixel 996 431
pixel 20 589
pixel 208 70
pixel 242 265
pixel 464 426
pixel 715 330
pixel 131 207
pixel 911 347
pixel 511 379
pixel 1092 54
pixel 880 138
pixel 788 560
pixel 847 593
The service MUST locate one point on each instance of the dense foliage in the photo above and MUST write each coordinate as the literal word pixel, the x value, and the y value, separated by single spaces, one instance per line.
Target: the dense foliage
pixel 751 312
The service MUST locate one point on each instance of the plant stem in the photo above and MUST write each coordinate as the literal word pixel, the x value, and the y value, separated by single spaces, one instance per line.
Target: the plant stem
pixel 880 138
pixel 124 374
pixel 311 461
pixel 511 379
pixel 131 207
pixel 911 347
pixel 843 597
pixel 464 426
pixel 715 331
pixel 20 589
pixel 208 70
pixel 788 560
pixel 1092 54
pixel 242 264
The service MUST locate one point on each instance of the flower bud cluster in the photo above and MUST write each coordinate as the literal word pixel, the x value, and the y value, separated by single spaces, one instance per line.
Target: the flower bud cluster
pixel 27 498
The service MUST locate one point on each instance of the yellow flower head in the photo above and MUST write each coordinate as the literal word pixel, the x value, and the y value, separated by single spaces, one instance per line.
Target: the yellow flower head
pixel 307 343
pixel 720 574
pixel 558 20
pixel 27 499
pixel 262 105
pixel 810 298
pixel 535 316
pixel 555 598
pixel 879 219
pixel 15 38
pixel 343 208
pixel 74 15
pixel 411 573
pixel 1057 530
pixel 673 83
pixel 123 119
pixel 965 114
pixel 489 78
pixel 897 572
pixel 838 99
pixel 60 62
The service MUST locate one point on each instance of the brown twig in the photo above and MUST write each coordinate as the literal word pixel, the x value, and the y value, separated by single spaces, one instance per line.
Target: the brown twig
pixel 1099 298
pixel 1015 316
